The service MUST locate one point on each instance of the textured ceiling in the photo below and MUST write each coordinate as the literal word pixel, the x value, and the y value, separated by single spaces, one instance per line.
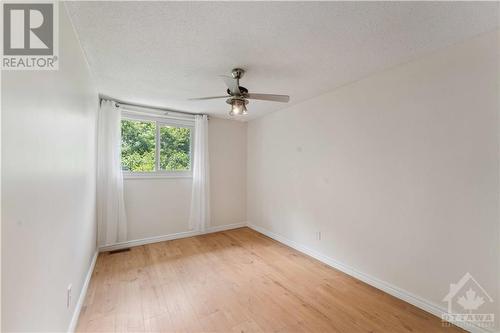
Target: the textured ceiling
pixel 161 53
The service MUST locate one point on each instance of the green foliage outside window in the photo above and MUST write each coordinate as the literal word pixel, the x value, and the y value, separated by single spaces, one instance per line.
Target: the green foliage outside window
pixel 139 147
pixel 174 148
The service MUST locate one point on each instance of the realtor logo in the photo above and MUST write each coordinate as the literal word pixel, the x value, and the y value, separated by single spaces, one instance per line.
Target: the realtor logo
pixel 464 300
pixel 29 36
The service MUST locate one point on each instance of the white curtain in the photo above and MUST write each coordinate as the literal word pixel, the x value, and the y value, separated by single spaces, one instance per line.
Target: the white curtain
pixel 111 218
pixel 199 218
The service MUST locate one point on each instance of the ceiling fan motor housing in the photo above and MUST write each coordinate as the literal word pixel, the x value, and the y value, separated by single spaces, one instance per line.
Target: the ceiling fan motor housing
pixel 236 98
pixel 243 90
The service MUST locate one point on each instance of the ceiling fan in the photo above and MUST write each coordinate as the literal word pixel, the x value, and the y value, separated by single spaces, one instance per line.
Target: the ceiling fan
pixel 239 96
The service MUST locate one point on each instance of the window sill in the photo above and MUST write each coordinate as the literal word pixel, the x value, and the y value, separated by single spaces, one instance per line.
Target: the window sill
pixel 155 175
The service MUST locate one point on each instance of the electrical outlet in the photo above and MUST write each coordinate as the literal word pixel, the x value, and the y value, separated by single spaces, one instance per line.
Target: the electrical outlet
pixel 68 296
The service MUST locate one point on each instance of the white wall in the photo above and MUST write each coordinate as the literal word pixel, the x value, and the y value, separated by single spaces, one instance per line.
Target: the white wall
pixel 228 171
pixel 158 207
pixel 48 188
pixel 399 172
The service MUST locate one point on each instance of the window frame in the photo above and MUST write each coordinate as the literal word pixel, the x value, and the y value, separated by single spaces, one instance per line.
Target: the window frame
pixel 160 121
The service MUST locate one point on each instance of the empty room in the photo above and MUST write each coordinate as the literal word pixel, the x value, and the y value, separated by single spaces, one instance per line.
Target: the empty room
pixel 250 166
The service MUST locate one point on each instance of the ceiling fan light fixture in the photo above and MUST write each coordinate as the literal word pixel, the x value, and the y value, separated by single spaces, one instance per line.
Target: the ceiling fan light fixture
pixel 238 107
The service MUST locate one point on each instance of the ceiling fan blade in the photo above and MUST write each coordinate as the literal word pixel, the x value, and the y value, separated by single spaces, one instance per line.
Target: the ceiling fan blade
pixel 269 97
pixel 203 98
pixel 232 84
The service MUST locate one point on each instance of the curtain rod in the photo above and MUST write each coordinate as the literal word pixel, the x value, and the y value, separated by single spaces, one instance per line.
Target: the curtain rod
pixel 124 103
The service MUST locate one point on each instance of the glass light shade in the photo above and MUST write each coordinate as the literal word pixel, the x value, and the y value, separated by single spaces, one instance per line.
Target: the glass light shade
pixel 238 108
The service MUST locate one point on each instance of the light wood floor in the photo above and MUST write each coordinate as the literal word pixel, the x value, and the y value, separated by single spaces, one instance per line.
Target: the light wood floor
pixel 237 281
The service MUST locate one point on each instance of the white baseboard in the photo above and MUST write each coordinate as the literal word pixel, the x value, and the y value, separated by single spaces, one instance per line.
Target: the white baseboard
pixel 163 238
pixel 377 283
pixel 217 228
pixel 83 293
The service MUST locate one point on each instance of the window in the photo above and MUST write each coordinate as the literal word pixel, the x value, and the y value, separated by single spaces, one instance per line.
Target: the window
pixel 138 145
pixel 156 146
pixel 175 148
